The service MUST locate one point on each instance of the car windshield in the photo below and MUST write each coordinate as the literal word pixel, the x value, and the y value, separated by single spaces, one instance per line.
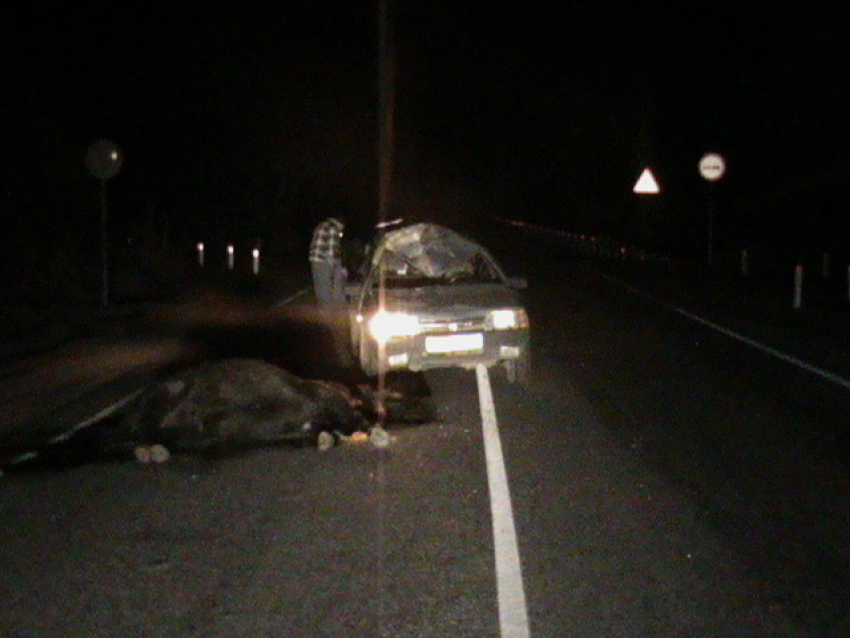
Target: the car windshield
pixel 398 271
pixel 426 254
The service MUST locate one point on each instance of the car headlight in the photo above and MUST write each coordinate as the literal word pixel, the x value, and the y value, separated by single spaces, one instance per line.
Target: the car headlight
pixel 507 319
pixel 384 325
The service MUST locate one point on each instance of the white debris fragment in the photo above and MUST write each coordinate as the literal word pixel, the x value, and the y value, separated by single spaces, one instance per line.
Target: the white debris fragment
pixel 159 453
pixel 142 454
pixel 151 454
pixel 326 441
pixel 379 437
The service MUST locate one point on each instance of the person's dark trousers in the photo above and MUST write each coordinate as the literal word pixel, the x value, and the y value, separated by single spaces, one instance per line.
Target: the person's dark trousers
pixel 323 281
pixel 329 281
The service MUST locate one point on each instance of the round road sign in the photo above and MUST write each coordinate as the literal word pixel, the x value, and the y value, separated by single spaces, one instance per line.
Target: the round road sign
pixel 712 166
pixel 104 159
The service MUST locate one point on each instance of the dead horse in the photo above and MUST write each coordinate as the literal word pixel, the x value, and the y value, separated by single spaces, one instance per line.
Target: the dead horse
pixel 238 402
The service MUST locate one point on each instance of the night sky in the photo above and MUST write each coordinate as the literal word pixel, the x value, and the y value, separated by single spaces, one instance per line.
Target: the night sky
pixel 257 119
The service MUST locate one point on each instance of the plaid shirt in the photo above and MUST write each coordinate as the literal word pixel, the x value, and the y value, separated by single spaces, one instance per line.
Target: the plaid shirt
pixel 326 241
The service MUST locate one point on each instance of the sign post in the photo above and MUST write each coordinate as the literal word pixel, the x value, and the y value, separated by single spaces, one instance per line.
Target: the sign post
pixel 712 166
pixel 104 160
pixel 646 188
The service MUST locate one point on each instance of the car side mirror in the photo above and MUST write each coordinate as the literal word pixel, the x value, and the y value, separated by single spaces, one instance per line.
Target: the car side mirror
pixel 520 283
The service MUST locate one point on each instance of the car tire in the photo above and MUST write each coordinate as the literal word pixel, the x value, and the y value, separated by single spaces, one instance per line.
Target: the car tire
pixel 354 335
pixel 519 370
pixel 368 356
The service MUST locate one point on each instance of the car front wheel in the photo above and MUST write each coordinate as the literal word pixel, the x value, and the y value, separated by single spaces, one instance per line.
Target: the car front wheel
pixel 368 356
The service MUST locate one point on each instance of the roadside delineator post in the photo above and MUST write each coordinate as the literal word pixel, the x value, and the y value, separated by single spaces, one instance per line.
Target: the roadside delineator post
pixel 230 257
pixel 798 287
pixel 745 263
pixel 200 254
pixel 255 260
pixel 848 283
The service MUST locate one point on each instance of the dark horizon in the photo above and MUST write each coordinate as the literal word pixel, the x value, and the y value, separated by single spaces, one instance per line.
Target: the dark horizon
pixel 259 120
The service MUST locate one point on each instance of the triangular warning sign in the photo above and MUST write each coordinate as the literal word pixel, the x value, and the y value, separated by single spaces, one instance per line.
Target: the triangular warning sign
pixel 646 184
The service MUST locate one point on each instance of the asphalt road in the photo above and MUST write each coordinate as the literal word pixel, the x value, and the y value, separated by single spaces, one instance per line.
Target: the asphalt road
pixel 665 481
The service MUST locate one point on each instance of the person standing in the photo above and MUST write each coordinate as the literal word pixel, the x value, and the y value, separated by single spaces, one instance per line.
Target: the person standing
pixel 329 275
pixel 329 279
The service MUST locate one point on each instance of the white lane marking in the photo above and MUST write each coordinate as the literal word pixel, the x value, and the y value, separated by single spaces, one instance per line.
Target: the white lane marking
pixel 292 298
pixel 824 374
pixel 513 613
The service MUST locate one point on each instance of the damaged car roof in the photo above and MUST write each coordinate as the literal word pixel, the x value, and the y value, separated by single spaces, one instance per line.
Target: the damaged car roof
pixel 432 250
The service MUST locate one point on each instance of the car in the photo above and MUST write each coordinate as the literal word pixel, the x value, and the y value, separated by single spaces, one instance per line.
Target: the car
pixel 429 297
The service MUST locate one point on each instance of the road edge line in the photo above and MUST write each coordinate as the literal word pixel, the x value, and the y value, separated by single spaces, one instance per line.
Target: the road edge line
pixel 787 358
pixel 291 298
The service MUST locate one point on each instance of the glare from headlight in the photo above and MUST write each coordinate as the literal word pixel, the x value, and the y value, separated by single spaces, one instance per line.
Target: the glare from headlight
pixel 384 325
pixel 507 319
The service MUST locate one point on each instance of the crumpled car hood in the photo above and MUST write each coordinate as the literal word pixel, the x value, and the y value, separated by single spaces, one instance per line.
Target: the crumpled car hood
pixel 443 299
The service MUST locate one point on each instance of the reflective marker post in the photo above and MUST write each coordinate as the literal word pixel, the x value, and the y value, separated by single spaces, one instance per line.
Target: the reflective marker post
pixel 798 287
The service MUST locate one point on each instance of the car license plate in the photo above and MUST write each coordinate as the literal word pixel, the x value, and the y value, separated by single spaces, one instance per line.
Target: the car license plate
pixel 454 343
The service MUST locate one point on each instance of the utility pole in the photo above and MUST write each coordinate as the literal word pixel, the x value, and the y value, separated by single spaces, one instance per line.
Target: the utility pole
pixel 386 110
pixel 386 55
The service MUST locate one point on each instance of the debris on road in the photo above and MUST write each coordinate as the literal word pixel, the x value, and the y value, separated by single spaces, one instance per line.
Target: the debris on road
pixel 379 437
pixel 157 454
pixel 326 441
pixel 359 437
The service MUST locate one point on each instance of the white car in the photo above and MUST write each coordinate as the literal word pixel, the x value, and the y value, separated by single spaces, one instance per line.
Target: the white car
pixel 432 298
